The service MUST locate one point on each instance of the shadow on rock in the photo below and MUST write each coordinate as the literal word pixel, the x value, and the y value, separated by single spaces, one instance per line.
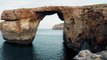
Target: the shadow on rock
pixel 69 54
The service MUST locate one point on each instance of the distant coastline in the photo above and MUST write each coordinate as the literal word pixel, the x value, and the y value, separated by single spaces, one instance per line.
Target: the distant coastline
pixel 58 26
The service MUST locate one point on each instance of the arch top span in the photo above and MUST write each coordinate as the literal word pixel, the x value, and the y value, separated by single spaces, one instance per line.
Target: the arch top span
pixel 50 10
pixel 33 13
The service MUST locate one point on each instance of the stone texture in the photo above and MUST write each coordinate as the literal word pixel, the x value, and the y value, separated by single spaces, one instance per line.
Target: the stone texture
pixel 100 7
pixel 19 14
pixel 87 55
pixel 22 32
pixel 85 28
pixel 58 26
pixel 20 25
pixel 8 15
pixel 104 54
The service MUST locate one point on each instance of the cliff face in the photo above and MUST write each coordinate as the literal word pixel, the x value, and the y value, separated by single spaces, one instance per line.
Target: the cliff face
pixel 58 26
pixel 84 27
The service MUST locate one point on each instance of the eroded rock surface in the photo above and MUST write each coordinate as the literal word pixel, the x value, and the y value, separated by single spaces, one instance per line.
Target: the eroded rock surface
pixel 20 25
pixel 87 55
pixel 85 28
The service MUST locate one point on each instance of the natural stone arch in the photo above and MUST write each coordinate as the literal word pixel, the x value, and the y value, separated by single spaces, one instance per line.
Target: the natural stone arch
pixel 50 11
pixel 84 27
pixel 20 25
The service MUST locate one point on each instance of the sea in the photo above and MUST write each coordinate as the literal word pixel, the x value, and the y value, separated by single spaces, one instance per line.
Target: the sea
pixel 47 45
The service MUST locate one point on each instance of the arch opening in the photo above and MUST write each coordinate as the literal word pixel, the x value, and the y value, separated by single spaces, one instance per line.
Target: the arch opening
pixel 49 21
pixel 48 40
pixel 45 13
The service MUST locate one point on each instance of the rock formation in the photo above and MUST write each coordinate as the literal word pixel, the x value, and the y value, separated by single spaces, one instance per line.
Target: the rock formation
pixel 84 27
pixel 87 55
pixel 58 26
pixel 20 25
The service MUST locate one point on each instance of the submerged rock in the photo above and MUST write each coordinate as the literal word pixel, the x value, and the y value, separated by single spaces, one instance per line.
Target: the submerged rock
pixel 58 26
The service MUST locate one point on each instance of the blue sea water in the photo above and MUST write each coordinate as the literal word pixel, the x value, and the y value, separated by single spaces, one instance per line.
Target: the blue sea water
pixel 48 45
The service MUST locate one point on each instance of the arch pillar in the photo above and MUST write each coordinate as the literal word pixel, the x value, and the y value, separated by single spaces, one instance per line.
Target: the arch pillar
pixel 20 25
pixel 84 28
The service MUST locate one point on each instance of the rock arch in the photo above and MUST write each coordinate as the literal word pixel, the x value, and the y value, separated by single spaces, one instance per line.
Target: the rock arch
pixel 20 25
pixel 84 27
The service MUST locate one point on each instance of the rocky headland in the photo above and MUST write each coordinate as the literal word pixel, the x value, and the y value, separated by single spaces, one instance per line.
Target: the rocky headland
pixel 58 26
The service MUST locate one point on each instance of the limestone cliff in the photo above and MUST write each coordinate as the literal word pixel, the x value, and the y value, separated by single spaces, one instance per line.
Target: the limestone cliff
pixel 85 27
pixel 58 26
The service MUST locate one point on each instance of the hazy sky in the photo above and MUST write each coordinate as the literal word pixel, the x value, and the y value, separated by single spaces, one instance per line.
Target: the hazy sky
pixel 51 20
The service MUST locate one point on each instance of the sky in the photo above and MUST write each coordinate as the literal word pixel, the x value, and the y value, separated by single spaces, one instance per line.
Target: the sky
pixel 50 20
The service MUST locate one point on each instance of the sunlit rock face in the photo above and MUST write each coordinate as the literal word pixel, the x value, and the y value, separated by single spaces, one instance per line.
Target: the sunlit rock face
pixel 20 25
